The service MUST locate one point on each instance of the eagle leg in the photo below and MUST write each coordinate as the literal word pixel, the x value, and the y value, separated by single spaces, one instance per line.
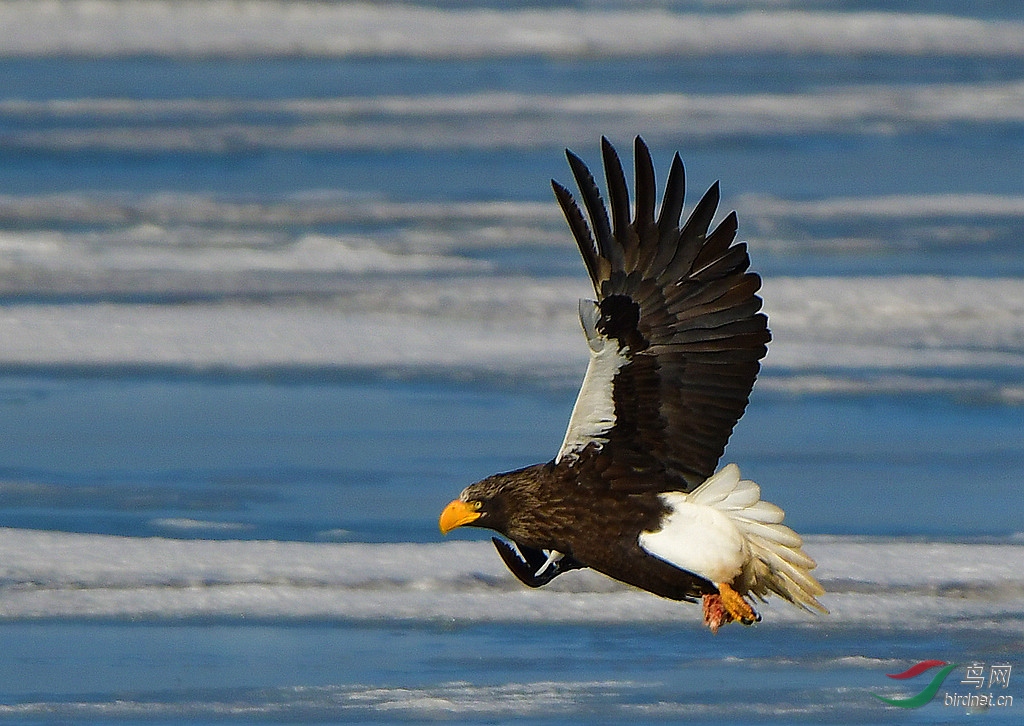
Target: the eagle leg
pixel 531 566
pixel 738 608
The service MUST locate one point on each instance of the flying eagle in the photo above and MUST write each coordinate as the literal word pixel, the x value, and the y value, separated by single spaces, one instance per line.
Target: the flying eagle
pixel 676 337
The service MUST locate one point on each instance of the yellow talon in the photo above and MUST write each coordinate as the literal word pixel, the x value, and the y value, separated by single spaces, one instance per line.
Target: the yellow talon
pixel 736 606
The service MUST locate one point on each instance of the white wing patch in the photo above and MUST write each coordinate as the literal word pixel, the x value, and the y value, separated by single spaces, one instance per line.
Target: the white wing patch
pixel 723 532
pixel 593 415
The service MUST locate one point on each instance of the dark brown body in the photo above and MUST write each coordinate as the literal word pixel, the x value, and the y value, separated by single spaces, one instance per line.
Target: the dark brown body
pixel 538 508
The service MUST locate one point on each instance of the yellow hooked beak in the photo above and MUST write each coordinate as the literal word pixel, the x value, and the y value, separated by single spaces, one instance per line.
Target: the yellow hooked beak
pixel 456 514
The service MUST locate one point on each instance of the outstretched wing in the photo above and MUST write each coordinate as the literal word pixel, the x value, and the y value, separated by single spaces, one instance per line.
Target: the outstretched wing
pixel 675 335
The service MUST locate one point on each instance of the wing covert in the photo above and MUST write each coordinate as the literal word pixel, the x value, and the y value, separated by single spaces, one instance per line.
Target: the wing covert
pixel 676 333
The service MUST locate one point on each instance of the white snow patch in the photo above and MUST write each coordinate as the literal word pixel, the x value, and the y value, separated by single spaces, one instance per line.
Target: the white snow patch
pixel 269 27
pixel 875 583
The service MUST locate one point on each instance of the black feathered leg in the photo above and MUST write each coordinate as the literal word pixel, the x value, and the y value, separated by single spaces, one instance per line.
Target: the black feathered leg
pixel 528 564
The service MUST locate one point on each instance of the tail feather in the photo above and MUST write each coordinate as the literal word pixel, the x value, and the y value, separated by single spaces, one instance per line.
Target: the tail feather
pixel 718 488
pixel 777 561
pixel 777 534
pixel 775 573
pixel 764 512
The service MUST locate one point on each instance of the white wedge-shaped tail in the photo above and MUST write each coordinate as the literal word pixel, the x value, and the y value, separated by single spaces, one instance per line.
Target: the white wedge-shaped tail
pixel 723 532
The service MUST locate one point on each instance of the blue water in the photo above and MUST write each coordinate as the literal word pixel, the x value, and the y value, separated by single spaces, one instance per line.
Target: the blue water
pixel 314 673
pixel 300 460
pixel 130 195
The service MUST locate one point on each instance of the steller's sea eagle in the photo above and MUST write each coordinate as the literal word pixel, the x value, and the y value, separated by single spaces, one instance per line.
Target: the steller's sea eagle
pixel 676 337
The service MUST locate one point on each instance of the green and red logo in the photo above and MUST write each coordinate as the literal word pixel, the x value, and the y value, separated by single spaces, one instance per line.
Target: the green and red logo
pixel 929 691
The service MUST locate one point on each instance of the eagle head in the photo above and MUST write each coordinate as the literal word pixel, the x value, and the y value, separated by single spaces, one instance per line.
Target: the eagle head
pixel 506 503
pixel 483 504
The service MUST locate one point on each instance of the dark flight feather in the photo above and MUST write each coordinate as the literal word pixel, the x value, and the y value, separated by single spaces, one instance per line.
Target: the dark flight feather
pixel 693 305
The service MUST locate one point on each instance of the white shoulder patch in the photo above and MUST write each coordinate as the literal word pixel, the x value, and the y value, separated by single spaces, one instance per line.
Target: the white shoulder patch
pixel 593 415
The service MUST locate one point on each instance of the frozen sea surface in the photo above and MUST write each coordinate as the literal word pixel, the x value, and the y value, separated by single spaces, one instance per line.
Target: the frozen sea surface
pixel 888 583
pixel 101 628
pixel 277 279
